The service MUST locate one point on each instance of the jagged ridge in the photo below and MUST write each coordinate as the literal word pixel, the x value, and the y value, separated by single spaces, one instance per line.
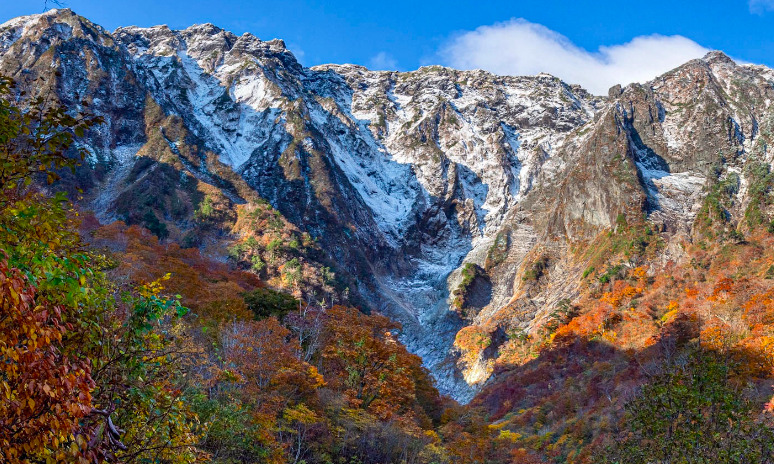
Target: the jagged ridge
pixel 404 177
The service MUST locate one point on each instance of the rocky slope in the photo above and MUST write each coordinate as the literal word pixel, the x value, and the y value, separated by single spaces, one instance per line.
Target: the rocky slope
pixel 446 198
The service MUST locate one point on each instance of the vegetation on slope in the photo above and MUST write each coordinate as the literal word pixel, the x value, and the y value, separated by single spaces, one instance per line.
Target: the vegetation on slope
pixel 652 358
pixel 101 365
pixel 121 343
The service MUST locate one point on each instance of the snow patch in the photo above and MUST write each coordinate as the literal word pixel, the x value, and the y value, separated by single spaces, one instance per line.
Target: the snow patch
pixel 123 159
pixel 386 185
pixel 674 193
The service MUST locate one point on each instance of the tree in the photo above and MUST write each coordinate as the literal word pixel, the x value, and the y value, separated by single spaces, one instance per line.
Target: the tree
pixel 361 359
pixel 142 383
pixel 693 413
pixel 265 302
pixel 44 393
pixel 36 139
pixel 45 302
pixel 266 390
pixel 75 356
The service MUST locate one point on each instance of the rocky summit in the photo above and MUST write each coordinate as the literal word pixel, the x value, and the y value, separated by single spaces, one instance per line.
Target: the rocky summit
pixel 451 201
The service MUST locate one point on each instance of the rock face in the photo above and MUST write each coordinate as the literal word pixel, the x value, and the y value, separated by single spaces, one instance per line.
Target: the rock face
pixel 404 178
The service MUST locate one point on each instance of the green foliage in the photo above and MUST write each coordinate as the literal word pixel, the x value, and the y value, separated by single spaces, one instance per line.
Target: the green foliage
pixel 761 180
pixel 206 209
pixel 265 302
pixel 587 272
pixel 293 244
pixel 497 252
pixel 252 244
pixel 635 241
pixel 537 269
pixel 713 217
pixel 231 430
pixel 469 274
pixel 236 251
pixel 275 221
pixel 327 275
pixel 736 236
pixel 152 223
pixel 562 314
pixel 611 273
pixel 712 211
pixel 257 264
pixel 291 272
pixel 692 413
pixel 274 248
pixel 141 380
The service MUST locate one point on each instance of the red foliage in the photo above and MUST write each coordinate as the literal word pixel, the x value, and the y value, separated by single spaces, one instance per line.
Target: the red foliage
pixel 208 287
pixel 45 392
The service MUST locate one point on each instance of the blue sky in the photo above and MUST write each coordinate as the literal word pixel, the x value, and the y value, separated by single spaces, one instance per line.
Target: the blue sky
pixel 489 34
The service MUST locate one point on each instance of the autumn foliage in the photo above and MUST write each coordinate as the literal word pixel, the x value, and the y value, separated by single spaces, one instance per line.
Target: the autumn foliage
pixel 570 388
pixel 120 346
pixel 45 393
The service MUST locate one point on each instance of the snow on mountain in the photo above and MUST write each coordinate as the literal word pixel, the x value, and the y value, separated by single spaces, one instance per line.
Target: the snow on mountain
pixel 405 176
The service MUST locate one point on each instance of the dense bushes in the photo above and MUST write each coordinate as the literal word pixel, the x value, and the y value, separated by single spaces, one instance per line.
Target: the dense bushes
pixel 264 302
pixel 89 367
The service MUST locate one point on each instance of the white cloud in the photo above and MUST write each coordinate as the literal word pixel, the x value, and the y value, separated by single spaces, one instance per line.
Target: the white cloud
pixel 382 61
pixel 519 47
pixel 761 6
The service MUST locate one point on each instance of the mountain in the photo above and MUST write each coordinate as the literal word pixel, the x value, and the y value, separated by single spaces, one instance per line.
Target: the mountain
pixel 455 202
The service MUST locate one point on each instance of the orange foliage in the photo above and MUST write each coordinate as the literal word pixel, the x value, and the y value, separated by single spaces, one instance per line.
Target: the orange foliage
pixel 585 325
pixel 640 273
pixel 209 288
pixel 759 309
pixel 722 290
pixel 572 386
pixel 621 291
pixel 472 341
pixel 715 338
pixel 756 357
pixel 45 393
pixel 263 356
pixel 691 292
pixel 363 360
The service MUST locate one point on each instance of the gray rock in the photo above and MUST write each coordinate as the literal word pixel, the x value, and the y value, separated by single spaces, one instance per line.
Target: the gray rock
pixel 404 177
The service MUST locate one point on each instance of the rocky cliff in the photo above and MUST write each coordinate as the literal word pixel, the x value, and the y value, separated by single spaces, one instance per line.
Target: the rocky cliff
pixel 445 198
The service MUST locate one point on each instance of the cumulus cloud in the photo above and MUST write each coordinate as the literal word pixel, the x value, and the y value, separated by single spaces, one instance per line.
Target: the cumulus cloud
pixel 761 6
pixel 382 61
pixel 519 47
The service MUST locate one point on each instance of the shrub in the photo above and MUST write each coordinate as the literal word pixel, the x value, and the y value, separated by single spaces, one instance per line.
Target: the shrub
pixel 537 269
pixel 152 223
pixel 264 302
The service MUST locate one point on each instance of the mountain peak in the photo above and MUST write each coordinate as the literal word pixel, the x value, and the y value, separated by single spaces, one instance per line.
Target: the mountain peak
pixel 24 20
pixel 204 28
pixel 55 24
pixel 64 12
pixel 717 56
